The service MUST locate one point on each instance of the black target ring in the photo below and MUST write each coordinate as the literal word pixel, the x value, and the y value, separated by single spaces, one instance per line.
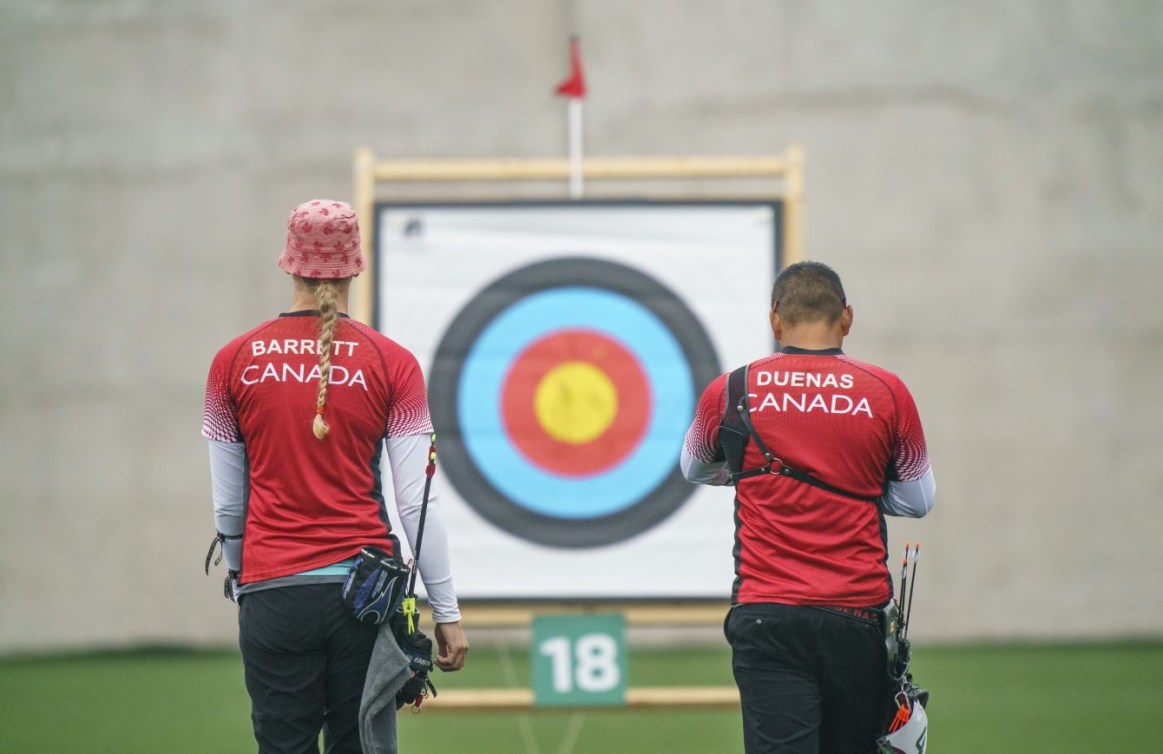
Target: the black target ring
pixel 545 288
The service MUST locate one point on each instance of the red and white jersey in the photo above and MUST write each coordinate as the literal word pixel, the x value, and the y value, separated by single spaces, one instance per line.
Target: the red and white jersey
pixel 312 502
pixel 852 425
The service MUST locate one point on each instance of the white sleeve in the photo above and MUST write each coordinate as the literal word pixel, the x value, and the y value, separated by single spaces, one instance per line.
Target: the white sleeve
pixel 408 457
pixel 703 472
pixel 912 499
pixel 229 487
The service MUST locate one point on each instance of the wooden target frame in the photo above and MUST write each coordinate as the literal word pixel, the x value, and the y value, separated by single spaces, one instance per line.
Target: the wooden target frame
pixel 370 175
pixel 778 177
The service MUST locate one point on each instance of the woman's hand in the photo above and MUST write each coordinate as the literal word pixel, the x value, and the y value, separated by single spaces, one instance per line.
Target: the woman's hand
pixel 452 646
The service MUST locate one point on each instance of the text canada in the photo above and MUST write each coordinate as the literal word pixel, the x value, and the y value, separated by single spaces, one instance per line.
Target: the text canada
pixel 256 373
pixel 836 403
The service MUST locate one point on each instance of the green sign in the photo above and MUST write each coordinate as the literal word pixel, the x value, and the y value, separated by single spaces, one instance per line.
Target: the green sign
pixel 579 660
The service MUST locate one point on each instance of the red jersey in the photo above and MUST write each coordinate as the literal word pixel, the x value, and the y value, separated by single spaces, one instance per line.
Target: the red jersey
pixel 850 424
pixel 312 502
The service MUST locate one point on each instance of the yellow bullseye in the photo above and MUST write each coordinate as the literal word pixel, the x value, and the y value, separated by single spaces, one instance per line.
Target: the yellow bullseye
pixel 575 402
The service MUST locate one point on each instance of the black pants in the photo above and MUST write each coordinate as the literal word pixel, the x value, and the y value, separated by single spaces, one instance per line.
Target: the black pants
pixel 305 658
pixel 811 681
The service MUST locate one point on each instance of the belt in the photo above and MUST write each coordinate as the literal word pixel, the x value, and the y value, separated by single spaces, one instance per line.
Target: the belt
pixel 866 614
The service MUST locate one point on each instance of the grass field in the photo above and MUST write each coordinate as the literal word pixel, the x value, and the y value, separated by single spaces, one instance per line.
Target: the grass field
pixel 1012 698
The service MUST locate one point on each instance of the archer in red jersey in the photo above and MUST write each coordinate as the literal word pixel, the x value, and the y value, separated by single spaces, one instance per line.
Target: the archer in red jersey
pixel 298 413
pixel 811 555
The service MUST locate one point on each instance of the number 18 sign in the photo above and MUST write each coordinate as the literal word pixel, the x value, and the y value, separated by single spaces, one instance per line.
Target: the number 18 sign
pixel 579 660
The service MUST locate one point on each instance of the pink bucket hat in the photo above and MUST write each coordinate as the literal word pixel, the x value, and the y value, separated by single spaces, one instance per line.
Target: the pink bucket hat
pixel 322 241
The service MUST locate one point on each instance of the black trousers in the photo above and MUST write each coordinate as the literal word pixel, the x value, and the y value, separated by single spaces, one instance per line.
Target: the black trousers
pixel 305 659
pixel 811 681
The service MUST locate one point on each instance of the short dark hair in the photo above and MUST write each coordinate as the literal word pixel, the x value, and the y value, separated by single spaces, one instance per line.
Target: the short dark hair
pixel 808 292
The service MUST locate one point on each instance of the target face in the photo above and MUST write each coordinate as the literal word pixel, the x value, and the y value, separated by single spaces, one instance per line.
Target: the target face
pixel 561 394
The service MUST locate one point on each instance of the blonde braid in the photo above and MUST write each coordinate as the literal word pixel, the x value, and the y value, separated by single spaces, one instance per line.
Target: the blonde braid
pixel 326 294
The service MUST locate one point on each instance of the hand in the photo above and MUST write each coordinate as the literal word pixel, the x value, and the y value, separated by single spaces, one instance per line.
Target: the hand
pixel 452 646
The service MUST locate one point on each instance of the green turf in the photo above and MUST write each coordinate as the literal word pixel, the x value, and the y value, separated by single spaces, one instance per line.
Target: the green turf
pixel 1061 699
pixel 119 703
pixel 1014 698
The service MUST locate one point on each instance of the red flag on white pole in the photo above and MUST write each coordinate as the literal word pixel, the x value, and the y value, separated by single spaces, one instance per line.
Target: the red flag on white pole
pixel 575 88
pixel 575 85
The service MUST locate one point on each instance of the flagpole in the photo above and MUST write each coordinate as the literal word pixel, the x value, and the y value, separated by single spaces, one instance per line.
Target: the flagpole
pixel 574 88
pixel 575 148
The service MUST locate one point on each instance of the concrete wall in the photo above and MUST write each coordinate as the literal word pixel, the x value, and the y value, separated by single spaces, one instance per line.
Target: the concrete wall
pixel 984 175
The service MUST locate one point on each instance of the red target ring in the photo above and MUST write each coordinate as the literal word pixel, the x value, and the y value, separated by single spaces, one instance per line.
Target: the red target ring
pixel 576 402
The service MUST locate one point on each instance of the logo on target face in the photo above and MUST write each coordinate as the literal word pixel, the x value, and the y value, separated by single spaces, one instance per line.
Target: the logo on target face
pixel 561 394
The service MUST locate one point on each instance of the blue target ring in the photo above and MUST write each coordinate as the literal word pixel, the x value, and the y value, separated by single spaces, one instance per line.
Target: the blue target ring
pixel 533 317
pixel 486 338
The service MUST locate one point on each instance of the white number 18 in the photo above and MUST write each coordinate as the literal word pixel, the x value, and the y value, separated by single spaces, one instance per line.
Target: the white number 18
pixel 593 667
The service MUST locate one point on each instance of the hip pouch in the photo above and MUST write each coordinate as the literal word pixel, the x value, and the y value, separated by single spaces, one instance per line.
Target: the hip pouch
pixel 375 585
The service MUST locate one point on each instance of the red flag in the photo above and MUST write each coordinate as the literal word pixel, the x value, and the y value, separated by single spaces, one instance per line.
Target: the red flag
pixel 575 85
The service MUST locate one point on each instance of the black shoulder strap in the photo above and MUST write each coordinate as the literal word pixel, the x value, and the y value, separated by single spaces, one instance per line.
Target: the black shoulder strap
pixel 736 428
pixel 733 432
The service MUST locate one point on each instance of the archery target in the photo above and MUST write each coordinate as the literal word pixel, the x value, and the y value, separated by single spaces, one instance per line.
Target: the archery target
pixel 562 393
pixel 564 346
